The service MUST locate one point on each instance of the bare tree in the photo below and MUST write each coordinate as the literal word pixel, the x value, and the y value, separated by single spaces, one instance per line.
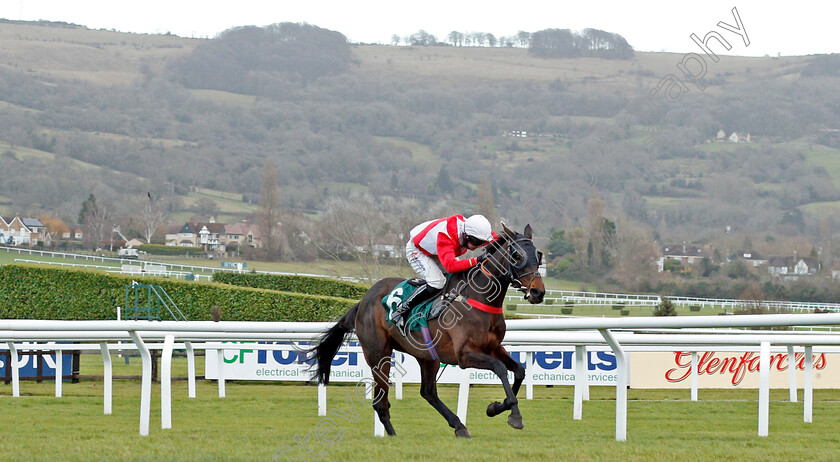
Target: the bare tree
pixel 457 38
pixel 151 217
pixel 524 38
pixel 825 237
pixel 595 216
pixel 95 217
pixel 350 230
pixel 486 203
pixel 580 240
pixel 635 254
pixel 268 214
pixel 371 232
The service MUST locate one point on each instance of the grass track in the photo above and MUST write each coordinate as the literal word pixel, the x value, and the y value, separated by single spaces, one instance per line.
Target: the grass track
pixel 256 419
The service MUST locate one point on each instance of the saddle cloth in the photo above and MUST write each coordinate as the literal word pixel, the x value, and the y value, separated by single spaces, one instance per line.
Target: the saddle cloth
pixel 420 315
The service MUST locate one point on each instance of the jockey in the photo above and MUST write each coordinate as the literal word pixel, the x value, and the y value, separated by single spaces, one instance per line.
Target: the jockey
pixel 435 244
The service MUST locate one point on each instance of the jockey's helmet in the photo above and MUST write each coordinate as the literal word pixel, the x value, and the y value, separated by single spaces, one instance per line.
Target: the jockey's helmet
pixel 478 227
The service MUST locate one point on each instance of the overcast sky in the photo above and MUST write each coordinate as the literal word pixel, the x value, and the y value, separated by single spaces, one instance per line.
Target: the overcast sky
pixel 788 28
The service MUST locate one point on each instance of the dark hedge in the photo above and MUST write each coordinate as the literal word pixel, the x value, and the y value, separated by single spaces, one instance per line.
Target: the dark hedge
pixel 37 292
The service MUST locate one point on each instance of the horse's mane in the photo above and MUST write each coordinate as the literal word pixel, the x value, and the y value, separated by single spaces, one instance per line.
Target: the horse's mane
pixel 497 244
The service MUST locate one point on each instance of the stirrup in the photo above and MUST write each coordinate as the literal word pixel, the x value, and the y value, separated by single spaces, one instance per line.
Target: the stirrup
pixel 402 326
pixel 398 314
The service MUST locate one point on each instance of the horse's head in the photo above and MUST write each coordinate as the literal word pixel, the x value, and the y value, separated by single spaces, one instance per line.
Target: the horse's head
pixel 517 258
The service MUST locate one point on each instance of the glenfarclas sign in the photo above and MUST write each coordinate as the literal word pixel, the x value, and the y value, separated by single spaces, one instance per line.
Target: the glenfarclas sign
pixel 734 366
pixel 728 369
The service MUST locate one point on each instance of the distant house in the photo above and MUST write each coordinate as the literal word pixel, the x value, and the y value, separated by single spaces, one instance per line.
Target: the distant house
pixel 76 235
pixel 792 267
pixel 243 234
pixel 736 137
pixel 721 135
pixel 687 254
pixel 5 236
pixel 209 236
pixel 37 230
pixel 135 243
pixel 15 232
pixel 752 257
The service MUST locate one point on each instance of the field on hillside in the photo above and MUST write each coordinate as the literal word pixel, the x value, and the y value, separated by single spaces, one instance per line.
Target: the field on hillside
pixel 97 56
pixel 517 64
pixel 257 419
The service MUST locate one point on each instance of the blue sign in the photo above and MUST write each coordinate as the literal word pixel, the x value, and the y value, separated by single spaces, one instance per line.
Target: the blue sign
pixel 28 367
pixel 548 360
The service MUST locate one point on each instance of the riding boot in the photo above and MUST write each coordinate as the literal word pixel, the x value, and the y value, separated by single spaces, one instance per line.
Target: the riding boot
pixel 419 296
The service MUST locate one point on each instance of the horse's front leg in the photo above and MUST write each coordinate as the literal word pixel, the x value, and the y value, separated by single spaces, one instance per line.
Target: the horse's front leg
pixel 428 390
pixel 515 418
pixel 472 357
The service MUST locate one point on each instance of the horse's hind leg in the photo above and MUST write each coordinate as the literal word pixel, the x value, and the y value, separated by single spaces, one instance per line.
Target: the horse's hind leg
pixel 381 369
pixel 428 390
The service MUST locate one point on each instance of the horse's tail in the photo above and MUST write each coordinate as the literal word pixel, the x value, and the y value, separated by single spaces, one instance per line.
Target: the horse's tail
pixel 328 346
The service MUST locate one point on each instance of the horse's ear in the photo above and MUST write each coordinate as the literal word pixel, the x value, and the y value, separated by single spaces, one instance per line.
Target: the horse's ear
pixel 528 231
pixel 508 231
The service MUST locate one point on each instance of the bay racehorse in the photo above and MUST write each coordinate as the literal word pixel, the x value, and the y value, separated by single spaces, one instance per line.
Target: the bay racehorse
pixel 469 331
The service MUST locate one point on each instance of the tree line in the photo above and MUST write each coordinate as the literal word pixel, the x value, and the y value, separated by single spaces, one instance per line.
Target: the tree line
pixel 591 43
pixel 549 43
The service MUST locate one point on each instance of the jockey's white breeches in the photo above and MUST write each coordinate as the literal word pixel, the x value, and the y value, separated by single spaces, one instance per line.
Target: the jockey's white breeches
pixel 425 266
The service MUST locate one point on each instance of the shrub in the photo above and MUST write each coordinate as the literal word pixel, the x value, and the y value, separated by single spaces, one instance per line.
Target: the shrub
pixel 665 308
pixel 757 307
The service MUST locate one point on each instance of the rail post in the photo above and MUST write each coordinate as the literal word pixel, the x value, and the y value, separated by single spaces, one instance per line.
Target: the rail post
pixel 146 383
pixel 620 386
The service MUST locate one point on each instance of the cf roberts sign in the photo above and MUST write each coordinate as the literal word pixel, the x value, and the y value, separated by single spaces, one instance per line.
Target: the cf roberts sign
pixel 288 363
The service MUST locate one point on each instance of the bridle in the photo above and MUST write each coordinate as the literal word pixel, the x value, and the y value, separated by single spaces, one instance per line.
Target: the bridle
pixel 512 273
pixel 513 276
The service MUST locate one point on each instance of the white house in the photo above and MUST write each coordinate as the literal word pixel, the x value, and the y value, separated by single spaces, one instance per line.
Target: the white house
pixel 752 258
pixel 687 254
pixel 792 267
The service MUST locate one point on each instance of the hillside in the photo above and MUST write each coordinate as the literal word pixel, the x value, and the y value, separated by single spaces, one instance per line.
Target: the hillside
pixel 117 115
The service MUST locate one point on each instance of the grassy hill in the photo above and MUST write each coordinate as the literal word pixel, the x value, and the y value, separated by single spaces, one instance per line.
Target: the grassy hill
pixel 66 51
pixel 112 110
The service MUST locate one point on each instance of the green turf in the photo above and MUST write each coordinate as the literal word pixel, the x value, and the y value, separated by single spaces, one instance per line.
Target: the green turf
pixel 552 307
pixel 256 419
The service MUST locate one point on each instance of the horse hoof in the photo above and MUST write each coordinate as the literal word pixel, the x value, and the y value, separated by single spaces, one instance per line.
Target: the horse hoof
pixel 463 433
pixel 494 409
pixel 516 422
